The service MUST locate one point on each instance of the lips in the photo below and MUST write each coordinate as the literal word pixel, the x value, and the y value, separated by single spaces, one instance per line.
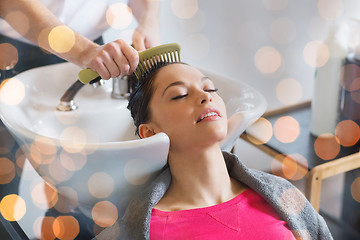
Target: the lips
pixel 209 114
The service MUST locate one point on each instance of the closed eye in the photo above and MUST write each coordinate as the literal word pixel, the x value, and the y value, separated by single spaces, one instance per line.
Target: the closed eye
pixel 185 95
pixel 179 97
pixel 211 90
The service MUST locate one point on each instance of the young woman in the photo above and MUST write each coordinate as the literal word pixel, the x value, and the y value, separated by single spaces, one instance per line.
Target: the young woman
pixel 205 193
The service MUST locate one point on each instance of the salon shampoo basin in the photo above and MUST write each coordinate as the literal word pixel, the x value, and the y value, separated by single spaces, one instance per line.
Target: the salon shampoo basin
pixel 93 150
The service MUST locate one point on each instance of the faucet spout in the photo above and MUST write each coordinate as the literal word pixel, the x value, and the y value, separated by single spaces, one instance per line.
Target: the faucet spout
pixel 71 92
pixel 120 90
pixel 67 100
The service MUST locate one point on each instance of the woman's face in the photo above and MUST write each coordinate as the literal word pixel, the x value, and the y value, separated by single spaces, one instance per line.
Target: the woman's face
pixel 186 107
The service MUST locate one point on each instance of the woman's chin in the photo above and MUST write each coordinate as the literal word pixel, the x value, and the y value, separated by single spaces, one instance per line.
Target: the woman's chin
pixel 215 138
pixel 219 133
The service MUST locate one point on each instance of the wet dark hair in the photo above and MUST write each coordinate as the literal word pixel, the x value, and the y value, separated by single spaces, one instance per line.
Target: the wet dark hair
pixel 141 93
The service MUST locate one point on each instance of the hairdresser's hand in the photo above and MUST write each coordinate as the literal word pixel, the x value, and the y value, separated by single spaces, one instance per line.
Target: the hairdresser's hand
pixel 113 59
pixel 146 35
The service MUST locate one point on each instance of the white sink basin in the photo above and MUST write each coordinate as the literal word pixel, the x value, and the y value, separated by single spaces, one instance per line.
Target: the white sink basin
pixel 94 149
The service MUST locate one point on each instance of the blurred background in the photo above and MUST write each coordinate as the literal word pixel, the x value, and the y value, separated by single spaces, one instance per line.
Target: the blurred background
pixel 269 44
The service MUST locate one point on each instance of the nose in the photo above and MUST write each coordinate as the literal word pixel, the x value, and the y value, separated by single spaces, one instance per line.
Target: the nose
pixel 205 97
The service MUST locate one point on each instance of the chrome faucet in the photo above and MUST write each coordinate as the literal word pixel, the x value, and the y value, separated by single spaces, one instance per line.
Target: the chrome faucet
pixel 120 90
pixel 121 87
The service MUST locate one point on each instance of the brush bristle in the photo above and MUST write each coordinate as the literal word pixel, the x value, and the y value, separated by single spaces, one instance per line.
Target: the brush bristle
pixel 169 53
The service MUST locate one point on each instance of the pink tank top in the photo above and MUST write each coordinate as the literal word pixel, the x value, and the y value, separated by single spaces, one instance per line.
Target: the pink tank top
pixel 247 216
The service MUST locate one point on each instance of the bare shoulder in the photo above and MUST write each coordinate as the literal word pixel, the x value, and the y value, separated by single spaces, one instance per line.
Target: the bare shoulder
pixel 237 187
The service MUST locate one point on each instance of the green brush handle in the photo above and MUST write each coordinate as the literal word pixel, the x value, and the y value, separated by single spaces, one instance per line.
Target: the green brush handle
pixel 88 76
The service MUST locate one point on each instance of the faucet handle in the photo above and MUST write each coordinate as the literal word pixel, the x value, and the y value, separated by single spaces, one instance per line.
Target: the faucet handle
pixel 88 76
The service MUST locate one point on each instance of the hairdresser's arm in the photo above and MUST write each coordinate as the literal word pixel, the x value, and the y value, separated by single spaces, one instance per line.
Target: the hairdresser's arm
pixel 108 60
pixel 147 34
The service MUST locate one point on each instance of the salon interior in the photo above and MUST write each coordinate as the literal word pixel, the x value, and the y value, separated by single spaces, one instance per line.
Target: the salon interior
pixel 289 69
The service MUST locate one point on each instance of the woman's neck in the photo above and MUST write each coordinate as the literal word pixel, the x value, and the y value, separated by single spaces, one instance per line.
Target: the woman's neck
pixel 199 179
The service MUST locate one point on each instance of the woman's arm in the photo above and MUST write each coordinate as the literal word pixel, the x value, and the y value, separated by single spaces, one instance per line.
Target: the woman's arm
pixel 147 34
pixel 109 60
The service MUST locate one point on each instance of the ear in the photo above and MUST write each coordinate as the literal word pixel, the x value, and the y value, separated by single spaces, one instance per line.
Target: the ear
pixel 146 130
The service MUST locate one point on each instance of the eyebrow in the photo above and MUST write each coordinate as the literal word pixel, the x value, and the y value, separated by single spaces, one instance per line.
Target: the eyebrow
pixel 177 83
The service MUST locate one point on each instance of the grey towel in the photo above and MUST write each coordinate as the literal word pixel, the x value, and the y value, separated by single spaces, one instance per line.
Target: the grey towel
pixel 287 200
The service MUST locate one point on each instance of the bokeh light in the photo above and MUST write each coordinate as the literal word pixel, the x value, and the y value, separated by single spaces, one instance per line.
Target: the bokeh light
pixel 289 91
pixel 6 140
pixel 58 172
pixel 277 165
pixel 260 132
pixel 283 30
pixel 43 228
pixel 12 207
pixel 7 170
pixel 104 214
pixel 275 5
pixel 20 162
pixel 196 24
pixel 291 166
pixel 316 54
pixel 292 201
pixel 46 145
pixel 100 185
pixel 61 39
pixel 12 91
pixel 355 90
pixel 184 9
pixel 350 79
pixel 9 56
pixel 136 171
pixel 73 139
pixel 198 45
pixel 35 155
pixel 355 189
pixel 355 96
pixel 348 133
pixel 330 10
pixel 327 146
pixel 43 150
pixel 19 21
pixel 119 16
pixel 43 39
pixel 286 129
pixel 66 227
pixel 267 60
pixel 73 161
pixel 67 118
pixel 44 196
pixel 67 199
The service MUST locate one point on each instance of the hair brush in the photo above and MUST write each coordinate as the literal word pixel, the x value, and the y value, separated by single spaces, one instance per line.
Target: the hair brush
pixel 164 53
pixel 147 59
